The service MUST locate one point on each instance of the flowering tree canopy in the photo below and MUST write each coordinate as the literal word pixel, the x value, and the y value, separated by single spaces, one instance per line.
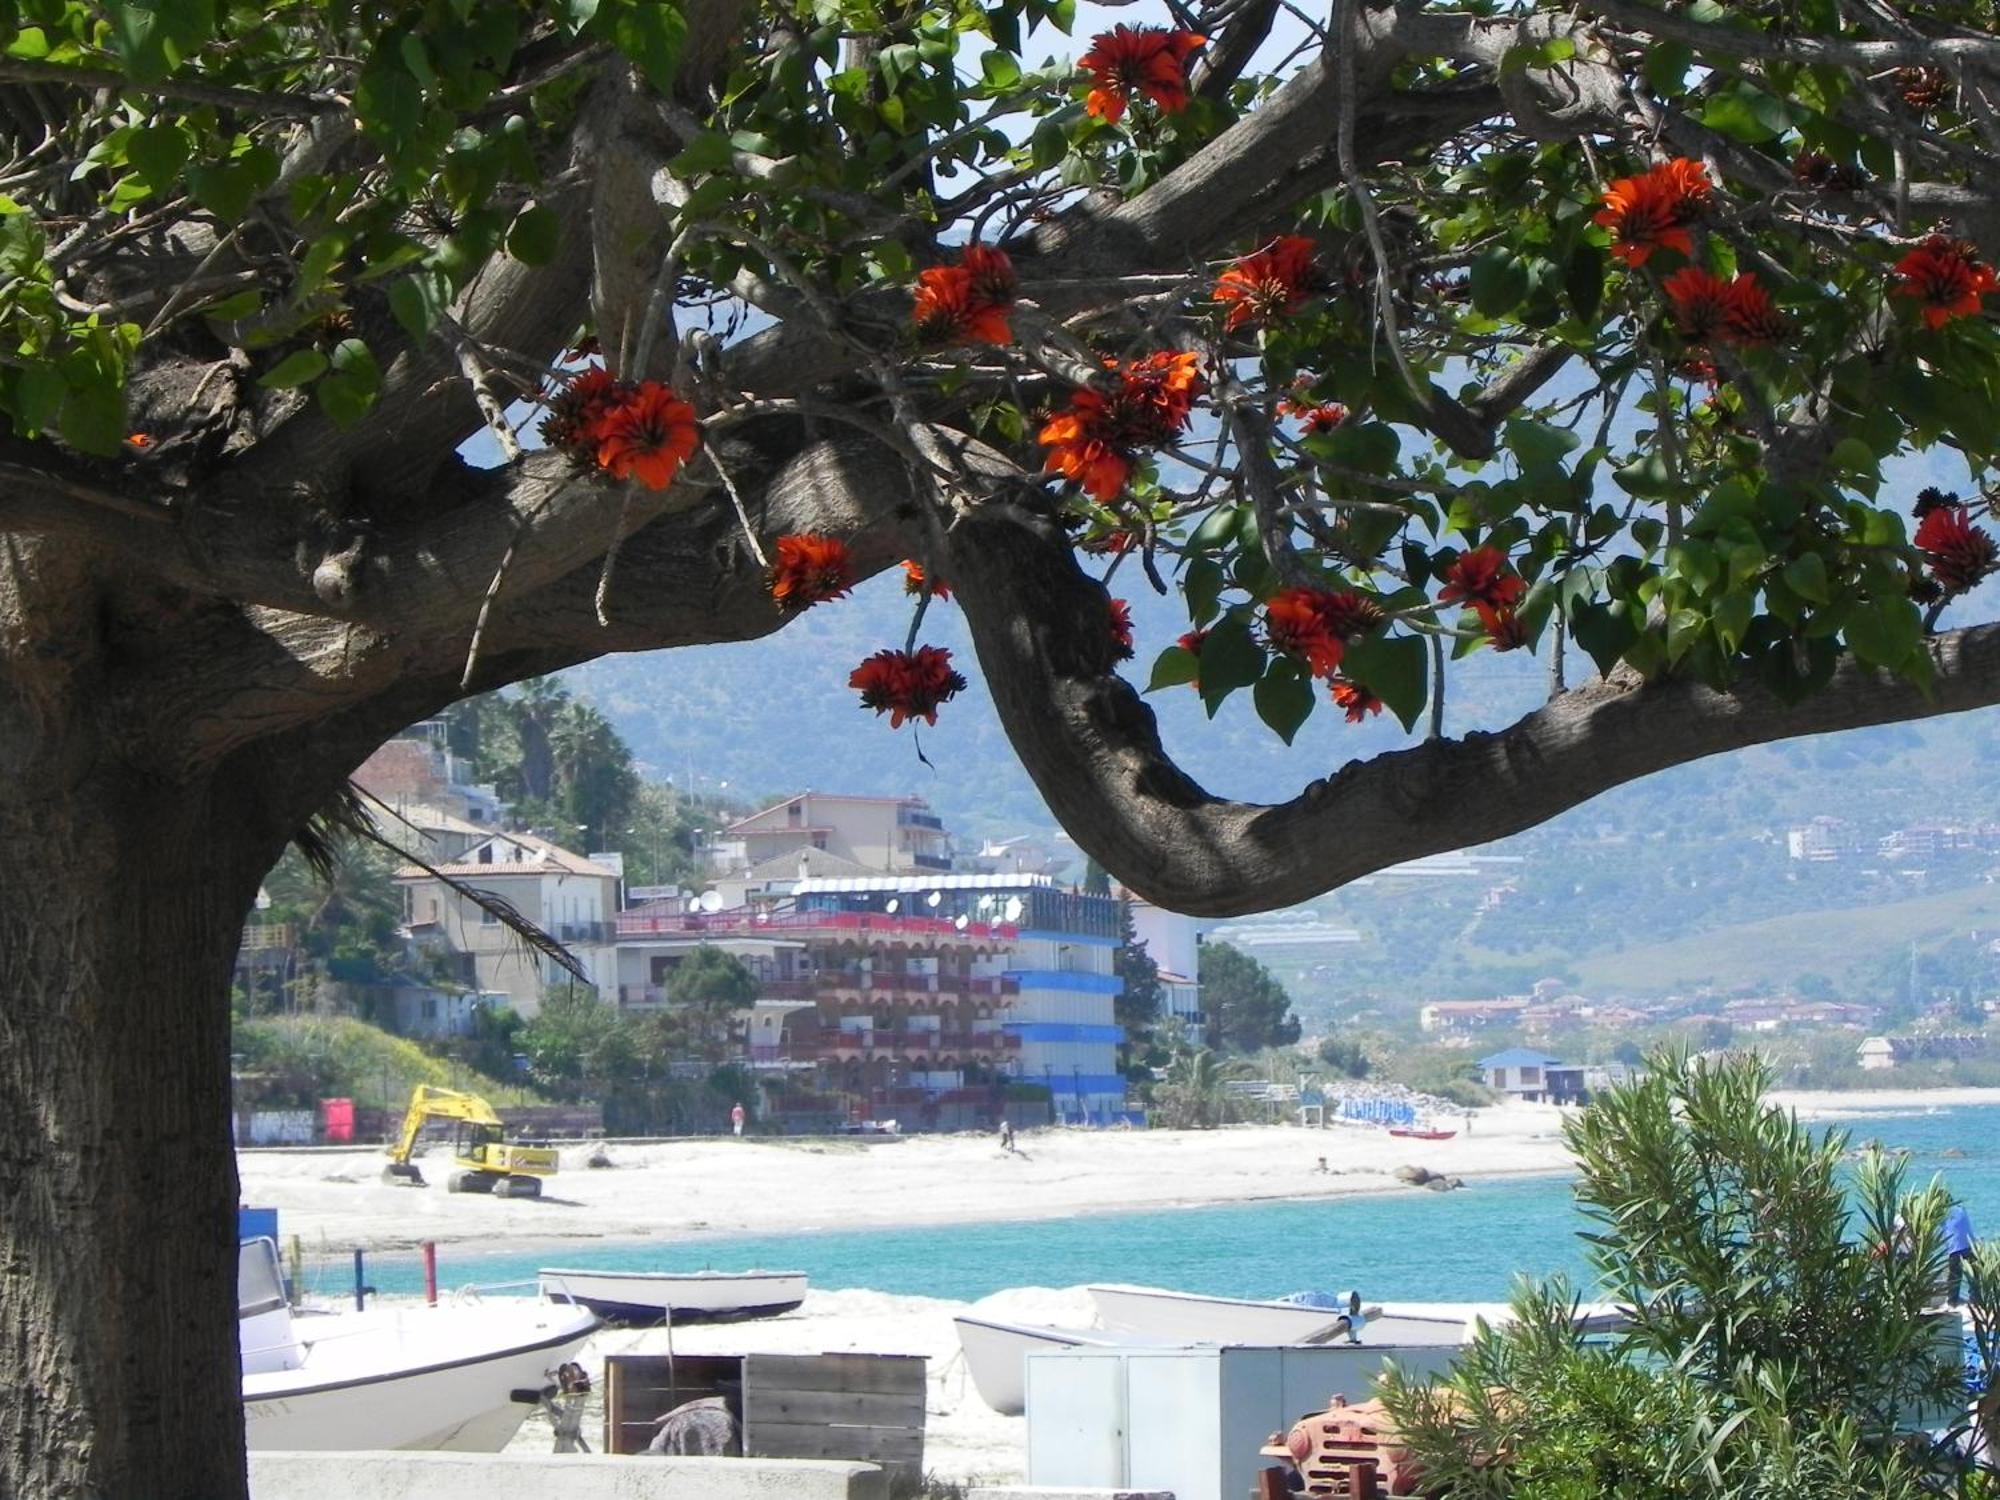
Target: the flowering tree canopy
pixel 1383 336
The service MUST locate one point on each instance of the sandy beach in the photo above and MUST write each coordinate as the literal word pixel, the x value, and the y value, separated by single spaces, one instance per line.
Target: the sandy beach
pixel 719 1185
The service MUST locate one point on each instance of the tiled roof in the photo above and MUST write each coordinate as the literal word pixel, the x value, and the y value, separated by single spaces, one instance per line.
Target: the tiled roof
pixel 543 858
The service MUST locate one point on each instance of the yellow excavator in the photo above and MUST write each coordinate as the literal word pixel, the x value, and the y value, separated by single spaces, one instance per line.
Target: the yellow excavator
pixel 483 1159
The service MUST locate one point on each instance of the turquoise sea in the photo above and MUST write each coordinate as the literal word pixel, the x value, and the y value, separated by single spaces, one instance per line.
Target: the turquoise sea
pixel 1460 1246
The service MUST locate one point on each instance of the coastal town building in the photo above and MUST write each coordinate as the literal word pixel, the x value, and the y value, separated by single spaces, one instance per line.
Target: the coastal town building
pixel 1173 942
pixel 1442 1016
pixel 572 897
pixel 838 834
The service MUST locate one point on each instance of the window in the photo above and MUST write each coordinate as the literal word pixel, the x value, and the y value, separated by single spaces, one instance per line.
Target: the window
pixel 1531 1077
pixel 486 854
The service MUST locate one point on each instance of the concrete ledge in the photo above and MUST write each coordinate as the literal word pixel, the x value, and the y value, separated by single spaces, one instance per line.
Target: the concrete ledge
pixel 574 1476
pixel 1050 1492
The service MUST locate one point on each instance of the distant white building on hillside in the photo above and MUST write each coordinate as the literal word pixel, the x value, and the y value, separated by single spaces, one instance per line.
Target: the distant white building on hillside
pixel 571 897
pixel 1173 942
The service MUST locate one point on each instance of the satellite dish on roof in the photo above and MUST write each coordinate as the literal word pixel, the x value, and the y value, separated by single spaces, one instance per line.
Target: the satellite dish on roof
pixel 892 906
pixel 961 921
pixel 711 901
pixel 1013 908
pixel 934 898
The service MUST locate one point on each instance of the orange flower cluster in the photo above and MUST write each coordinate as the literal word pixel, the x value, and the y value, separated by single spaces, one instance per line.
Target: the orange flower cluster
pixel 914 579
pixel 1946 279
pixel 1315 417
pixel 1095 442
pixel 907 684
pixel 1652 211
pixel 1279 279
pixel 1483 579
pixel 967 303
pixel 1707 308
pixel 1111 544
pixel 1960 554
pixel 1315 625
pixel 1121 628
pixel 643 431
pixel 1128 61
pixel 810 569
pixel 1355 699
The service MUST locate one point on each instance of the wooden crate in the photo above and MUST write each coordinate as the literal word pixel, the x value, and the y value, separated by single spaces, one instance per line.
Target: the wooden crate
pixel 854 1406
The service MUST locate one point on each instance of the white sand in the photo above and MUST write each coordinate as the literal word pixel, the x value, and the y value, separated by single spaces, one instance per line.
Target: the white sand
pixel 335 1198
pixel 1837 1103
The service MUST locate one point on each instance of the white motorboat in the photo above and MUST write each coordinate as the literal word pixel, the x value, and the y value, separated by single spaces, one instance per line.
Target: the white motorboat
pixel 648 1297
pixel 996 1355
pixel 457 1378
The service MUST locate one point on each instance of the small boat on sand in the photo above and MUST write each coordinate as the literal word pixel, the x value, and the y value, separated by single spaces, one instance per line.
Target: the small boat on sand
pixel 650 1297
pixel 996 1355
pixel 1421 1132
pixel 456 1378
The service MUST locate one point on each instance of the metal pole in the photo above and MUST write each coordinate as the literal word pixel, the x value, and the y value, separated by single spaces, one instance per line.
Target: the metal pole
pixel 430 1273
pixel 360 1284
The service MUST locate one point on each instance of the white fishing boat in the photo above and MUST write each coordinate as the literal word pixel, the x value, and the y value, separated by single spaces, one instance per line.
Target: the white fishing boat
pixel 1190 1318
pixel 457 1378
pixel 996 1355
pixel 649 1297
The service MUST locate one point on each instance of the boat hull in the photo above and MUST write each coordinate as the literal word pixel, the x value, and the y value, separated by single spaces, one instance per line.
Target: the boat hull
pixel 1187 1318
pixel 645 1297
pixel 996 1356
pixel 422 1394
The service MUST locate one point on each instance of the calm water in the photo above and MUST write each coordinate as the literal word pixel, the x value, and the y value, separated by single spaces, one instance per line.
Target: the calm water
pixel 1419 1245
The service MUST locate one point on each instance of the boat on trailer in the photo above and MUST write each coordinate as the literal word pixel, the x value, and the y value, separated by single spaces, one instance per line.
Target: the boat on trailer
pixel 459 1378
pixel 652 1297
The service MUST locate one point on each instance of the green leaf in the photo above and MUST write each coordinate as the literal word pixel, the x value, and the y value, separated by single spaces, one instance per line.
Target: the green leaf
pixel 1537 443
pixel 1001 71
pixel 1396 669
pixel 1217 528
pixel 1606 633
pixel 295 369
pixel 350 389
pixel 1201 585
pixel 1284 699
pixel 93 417
pixel 1173 667
pixel 388 102
pixel 1806 574
pixel 1884 632
pixel 38 398
pixel 1499 281
pixel 155 37
pixel 158 152
pixel 228 188
pixel 651 35
pixel 536 233
pixel 1230 659
pixel 1648 477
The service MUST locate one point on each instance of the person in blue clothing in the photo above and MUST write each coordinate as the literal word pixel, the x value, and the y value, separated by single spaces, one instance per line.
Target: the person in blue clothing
pixel 1958 1238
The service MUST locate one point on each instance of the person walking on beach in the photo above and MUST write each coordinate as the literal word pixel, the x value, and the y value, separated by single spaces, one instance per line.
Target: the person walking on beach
pixel 1958 1238
pixel 1007 1136
pixel 737 1117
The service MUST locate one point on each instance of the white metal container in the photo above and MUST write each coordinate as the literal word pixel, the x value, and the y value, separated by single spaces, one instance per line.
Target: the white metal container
pixel 1189 1421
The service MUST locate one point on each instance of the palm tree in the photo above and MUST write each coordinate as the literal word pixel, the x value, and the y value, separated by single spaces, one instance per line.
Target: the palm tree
pixel 1197 1081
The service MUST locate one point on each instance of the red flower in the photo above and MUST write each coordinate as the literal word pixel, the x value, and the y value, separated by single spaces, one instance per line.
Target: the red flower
pixel 1945 278
pixel 949 311
pixel 1131 60
pixel 1304 623
pixel 992 273
pixel 1350 614
pixel 1482 579
pixel 1111 544
pixel 575 411
pixel 1700 301
pixel 647 436
pixel 1121 628
pixel 1959 553
pixel 1191 642
pixel 906 684
pixel 810 570
pixel 1281 278
pixel 1503 626
pixel 1355 698
pixel 1094 443
pixel 1314 416
pixel 139 440
pixel 1750 318
pixel 1651 211
pixel 914 579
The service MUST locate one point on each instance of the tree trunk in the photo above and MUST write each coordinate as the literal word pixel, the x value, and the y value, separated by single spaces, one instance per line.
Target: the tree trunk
pixel 121 902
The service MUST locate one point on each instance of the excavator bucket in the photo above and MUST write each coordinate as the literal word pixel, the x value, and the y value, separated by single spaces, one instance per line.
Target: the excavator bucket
pixel 403 1171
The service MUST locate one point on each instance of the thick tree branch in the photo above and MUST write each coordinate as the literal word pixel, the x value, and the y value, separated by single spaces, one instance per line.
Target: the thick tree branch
pixel 1093 748
pixel 186 90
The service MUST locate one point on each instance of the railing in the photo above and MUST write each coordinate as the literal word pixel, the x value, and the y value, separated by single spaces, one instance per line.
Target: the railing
pixel 944 986
pixel 269 935
pixel 743 922
pixel 582 932
pixel 642 994
pixel 832 1040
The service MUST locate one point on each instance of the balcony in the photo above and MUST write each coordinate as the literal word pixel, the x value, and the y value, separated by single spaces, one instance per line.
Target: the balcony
pixel 831 925
pixel 909 818
pixel 833 1042
pixel 939 986
pixel 581 932
pixel 642 994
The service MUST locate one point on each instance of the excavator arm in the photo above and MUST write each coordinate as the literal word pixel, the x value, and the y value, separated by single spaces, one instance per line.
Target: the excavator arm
pixel 487 1164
